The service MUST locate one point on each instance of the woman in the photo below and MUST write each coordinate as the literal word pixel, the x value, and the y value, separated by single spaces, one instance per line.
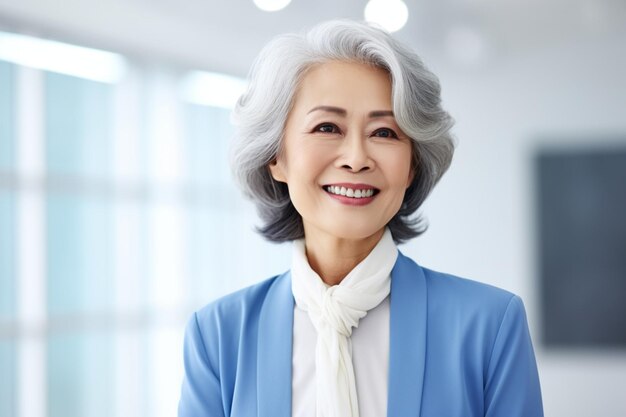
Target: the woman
pixel 341 137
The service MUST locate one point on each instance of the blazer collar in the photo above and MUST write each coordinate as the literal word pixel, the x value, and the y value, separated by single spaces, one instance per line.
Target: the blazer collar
pixel 407 344
pixel 407 338
pixel 274 351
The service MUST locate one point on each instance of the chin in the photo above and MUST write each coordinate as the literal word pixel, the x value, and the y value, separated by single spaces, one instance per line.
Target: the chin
pixel 352 231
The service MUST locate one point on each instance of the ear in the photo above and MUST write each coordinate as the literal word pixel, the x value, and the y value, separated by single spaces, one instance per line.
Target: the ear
pixel 277 171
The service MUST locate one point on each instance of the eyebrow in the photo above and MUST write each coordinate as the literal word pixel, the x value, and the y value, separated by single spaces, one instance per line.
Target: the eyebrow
pixel 380 113
pixel 343 112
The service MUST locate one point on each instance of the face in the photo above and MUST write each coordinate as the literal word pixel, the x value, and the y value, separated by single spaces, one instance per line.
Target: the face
pixel 344 159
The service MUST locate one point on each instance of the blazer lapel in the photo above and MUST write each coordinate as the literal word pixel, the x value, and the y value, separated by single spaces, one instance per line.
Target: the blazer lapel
pixel 274 350
pixel 407 345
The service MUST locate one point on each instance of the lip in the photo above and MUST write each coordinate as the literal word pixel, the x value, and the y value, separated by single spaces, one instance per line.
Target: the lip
pixel 349 201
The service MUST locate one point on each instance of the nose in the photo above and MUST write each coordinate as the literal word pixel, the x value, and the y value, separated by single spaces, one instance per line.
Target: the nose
pixel 354 154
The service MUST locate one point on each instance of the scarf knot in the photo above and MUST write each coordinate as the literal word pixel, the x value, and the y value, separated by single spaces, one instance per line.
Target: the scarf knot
pixel 336 313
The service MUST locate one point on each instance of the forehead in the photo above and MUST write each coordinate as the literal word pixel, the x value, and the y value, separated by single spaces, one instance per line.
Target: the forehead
pixel 350 85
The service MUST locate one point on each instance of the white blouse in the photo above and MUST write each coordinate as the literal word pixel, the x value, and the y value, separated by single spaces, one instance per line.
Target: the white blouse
pixel 370 356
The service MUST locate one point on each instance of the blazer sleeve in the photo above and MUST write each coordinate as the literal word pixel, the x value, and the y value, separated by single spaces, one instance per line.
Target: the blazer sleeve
pixel 201 392
pixel 512 387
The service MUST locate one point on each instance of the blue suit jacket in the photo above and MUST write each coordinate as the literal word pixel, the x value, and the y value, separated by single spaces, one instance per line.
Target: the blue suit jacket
pixel 458 348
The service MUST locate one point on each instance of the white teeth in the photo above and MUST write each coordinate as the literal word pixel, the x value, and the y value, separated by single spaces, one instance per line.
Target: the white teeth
pixel 349 192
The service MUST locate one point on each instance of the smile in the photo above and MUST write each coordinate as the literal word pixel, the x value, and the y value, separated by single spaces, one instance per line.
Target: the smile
pixel 351 192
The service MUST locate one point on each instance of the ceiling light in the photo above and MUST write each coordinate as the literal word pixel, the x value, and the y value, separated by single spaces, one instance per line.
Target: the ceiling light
pixel 271 5
pixel 92 64
pixel 212 89
pixel 390 14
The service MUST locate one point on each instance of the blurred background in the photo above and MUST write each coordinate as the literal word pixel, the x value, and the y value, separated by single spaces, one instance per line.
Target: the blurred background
pixel 118 215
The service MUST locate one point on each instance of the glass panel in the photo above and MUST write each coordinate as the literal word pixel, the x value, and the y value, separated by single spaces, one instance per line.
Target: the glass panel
pixel 208 256
pixel 80 375
pixel 78 126
pixel 79 224
pixel 80 263
pixel 132 368
pixel 217 208
pixel 208 137
pixel 166 255
pixel 7 143
pixel 220 214
pixel 165 370
pixel 7 255
pixel 7 378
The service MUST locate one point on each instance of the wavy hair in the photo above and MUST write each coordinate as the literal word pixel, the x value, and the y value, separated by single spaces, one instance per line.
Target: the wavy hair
pixel 261 113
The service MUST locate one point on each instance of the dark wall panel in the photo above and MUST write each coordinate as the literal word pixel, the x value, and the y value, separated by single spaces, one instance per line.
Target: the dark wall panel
pixel 582 246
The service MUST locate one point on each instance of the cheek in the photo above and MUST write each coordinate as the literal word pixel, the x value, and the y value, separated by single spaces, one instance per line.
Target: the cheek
pixel 305 167
pixel 398 169
pixel 399 179
pixel 309 162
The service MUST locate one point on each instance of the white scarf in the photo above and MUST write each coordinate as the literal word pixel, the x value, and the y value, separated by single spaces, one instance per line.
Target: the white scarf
pixel 334 311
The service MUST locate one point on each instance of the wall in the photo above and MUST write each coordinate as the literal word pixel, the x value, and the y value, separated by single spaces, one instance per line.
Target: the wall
pixel 482 213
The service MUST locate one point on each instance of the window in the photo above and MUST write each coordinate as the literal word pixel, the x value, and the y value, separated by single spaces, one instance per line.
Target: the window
pixel 118 218
pixel 7 234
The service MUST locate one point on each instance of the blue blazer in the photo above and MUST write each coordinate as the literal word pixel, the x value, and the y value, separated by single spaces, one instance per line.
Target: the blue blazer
pixel 458 348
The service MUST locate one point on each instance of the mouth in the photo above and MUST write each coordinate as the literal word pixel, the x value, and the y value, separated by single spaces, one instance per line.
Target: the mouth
pixel 354 191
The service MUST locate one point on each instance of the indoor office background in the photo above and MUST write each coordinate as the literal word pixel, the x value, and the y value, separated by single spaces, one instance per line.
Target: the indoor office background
pixel 118 215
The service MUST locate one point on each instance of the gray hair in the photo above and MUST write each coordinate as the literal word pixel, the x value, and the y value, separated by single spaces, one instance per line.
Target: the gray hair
pixel 261 112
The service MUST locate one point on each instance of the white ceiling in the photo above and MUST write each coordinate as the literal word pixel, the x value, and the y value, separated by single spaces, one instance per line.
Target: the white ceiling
pixel 226 35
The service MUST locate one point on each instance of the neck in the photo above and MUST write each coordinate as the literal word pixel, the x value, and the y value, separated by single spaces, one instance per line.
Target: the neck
pixel 332 258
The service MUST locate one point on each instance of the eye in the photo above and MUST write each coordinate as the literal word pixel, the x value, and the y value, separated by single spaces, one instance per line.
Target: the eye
pixel 326 128
pixel 385 133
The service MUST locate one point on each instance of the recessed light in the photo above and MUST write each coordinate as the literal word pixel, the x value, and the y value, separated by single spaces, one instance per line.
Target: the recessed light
pixel 271 5
pixel 392 15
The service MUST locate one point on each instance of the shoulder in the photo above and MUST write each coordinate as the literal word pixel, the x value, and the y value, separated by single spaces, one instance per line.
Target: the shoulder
pixel 239 305
pixel 462 298
pixel 220 328
pixel 451 288
pixel 220 341
pixel 478 345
